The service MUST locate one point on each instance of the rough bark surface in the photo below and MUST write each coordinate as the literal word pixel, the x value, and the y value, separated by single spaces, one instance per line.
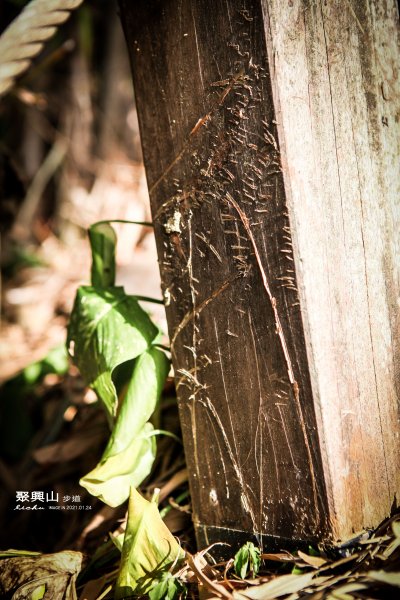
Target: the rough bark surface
pixel 269 274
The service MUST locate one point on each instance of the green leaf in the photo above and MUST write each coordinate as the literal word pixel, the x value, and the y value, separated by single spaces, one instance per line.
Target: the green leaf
pixel 149 548
pixel 312 551
pixel 168 588
pixel 18 553
pixel 110 481
pixel 39 592
pixel 297 571
pixel 141 398
pixel 118 540
pixel 248 558
pixel 103 240
pixel 107 328
pixel 129 455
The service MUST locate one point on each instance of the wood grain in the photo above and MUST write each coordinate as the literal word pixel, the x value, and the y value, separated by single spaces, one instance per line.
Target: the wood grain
pixel 270 173
pixel 336 89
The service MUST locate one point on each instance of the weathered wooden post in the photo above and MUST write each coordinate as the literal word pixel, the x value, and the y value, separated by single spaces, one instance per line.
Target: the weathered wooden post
pixel 270 134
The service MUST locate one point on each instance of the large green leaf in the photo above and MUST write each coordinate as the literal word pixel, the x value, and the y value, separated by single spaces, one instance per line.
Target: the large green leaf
pixel 149 548
pixel 111 339
pixel 107 328
pixel 130 453
pixel 142 393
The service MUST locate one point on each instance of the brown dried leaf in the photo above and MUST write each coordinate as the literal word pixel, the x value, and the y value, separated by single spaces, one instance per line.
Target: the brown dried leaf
pixel 93 588
pixel 313 561
pixel 277 587
pixel 176 520
pixel 21 576
pixel 279 557
pixel 342 592
pixel 197 566
pixel 175 481
pixel 72 448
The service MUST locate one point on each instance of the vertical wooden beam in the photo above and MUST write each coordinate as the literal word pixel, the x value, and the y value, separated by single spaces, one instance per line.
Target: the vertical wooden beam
pixel 336 81
pixel 269 135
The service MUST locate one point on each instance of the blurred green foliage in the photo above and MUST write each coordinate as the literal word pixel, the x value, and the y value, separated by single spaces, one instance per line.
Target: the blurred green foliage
pixel 20 404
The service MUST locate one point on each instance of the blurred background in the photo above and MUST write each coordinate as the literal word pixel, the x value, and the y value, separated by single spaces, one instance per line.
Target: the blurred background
pixel 69 156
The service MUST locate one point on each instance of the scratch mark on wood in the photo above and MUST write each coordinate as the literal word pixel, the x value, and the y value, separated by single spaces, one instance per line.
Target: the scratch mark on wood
pixel 196 311
pixel 259 432
pixel 198 51
pixel 246 501
pixel 202 237
pixel 199 124
pixel 221 365
pixel 245 222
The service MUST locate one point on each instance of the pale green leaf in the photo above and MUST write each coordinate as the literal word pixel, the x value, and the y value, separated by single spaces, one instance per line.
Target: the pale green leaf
pixel 396 529
pixel 139 403
pixel 111 480
pixel 39 592
pixel 149 548
pixel 390 578
pixel 24 38
pixel 129 455
pixel 107 328
pixel 103 240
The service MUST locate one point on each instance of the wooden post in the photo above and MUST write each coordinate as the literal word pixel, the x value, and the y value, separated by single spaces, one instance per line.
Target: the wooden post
pixel 270 133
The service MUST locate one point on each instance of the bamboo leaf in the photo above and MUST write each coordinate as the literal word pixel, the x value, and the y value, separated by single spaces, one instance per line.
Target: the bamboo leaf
pixel 313 561
pixel 24 38
pixel 277 587
pixel 149 548
pixel 344 592
pixel 391 578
